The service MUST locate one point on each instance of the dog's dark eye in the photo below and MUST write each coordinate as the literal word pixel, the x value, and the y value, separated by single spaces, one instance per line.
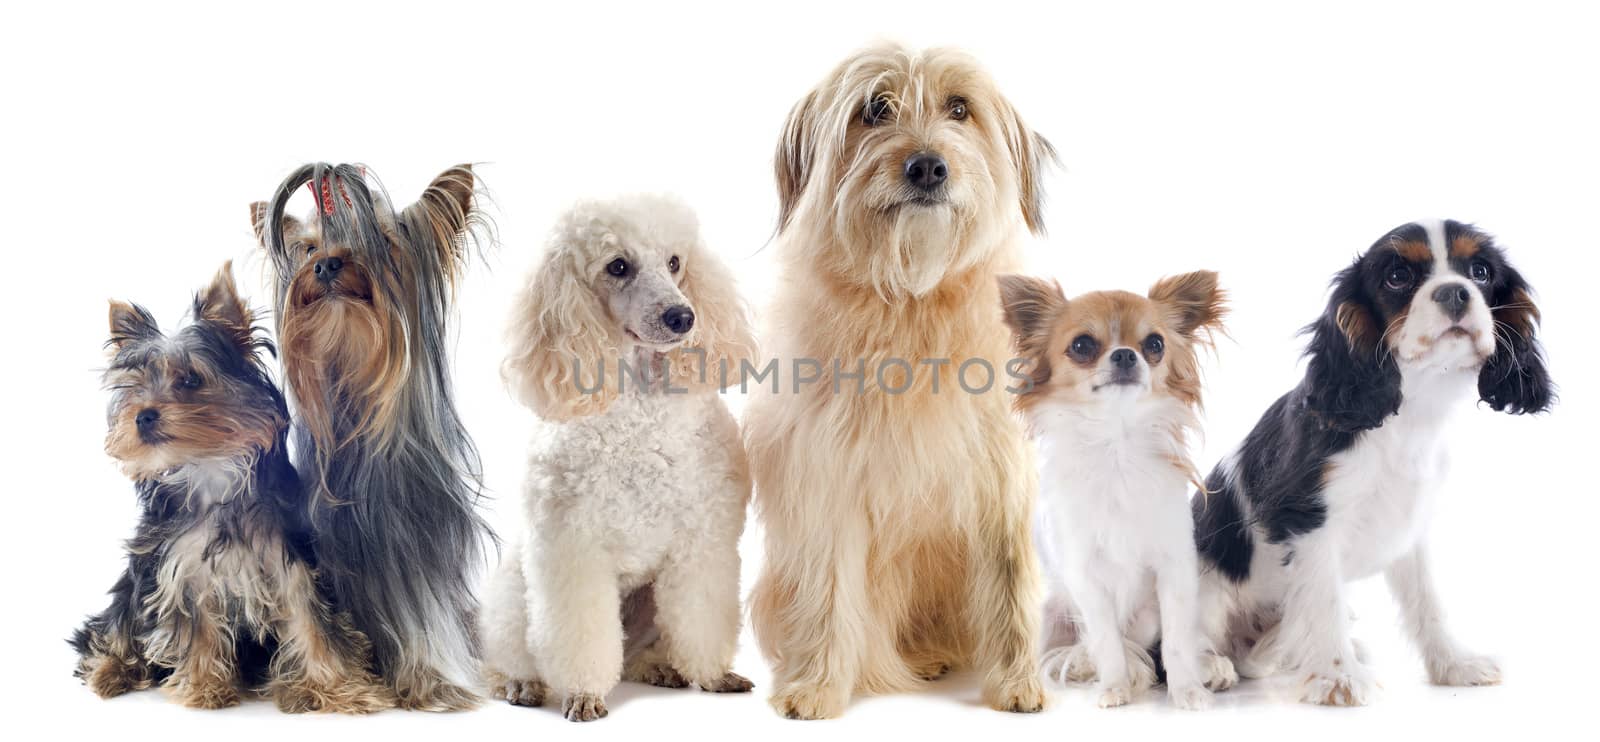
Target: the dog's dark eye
pixel 1480 271
pixel 190 381
pixel 1399 278
pixel 876 111
pixel 958 109
pixel 618 267
pixel 1154 347
pixel 310 249
pixel 672 264
pixel 1083 348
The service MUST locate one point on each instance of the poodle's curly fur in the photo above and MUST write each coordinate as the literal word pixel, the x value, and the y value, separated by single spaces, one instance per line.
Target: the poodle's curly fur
pixel 635 497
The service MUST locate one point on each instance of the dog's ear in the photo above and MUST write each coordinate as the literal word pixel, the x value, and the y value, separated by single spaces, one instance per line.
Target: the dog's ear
pixel 1030 305
pixel 1192 301
pixel 1352 381
pixel 722 326
pixel 130 323
pixel 1515 380
pixel 562 353
pixel 259 212
pixel 792 163
pixel 444 214
pixel 1032 154
pixel 219 304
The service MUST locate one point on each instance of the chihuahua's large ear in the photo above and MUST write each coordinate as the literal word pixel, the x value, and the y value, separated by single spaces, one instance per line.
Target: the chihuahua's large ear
pixel 1515 379
pixel 1192 301
pixel 259 212
pixel 1030 305
pixel 219 304
pixel 130 323
pixel 1031 154
pixel 794 160
pixel 1352 382
pixel 563 361
pixel 722 326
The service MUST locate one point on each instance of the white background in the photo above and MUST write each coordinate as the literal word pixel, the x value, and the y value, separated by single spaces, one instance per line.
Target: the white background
pixel 1268 143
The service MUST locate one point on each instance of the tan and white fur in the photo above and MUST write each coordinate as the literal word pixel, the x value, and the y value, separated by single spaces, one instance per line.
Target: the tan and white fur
pixel 1114 400
pixel 897 536
pixel 628 567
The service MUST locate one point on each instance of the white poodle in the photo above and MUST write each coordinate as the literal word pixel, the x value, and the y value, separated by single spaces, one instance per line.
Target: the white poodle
pixel 637 481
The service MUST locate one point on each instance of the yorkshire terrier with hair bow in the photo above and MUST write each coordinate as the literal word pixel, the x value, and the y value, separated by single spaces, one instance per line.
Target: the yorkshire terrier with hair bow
pixel 364 298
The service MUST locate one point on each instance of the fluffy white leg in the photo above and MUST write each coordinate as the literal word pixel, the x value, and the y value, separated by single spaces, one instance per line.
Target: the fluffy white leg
pixel 1448 663
pixel 1102 636
pixel 697 610
pixel 1182 648
pixel 574 621
pixel 508 663
pixel 1315 630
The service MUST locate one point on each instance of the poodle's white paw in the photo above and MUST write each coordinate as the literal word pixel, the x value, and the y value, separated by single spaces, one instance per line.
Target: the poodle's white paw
pixel 1464 670
pixel 584 707
pixel 1333 687
pixel 1189 697
pixel 521 692
pixel 1219 672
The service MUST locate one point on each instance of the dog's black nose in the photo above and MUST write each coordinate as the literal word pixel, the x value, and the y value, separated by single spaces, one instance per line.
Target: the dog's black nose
pixel 679 319
pixel 327 268
pixel 926 170
pixel 1124 358
pixel 146 419
pixel 1453 298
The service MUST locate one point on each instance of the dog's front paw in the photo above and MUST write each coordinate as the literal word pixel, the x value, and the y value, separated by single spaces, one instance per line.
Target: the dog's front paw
pixel 659 674
pixel 1334 688
pixel 1468 670
pixel 730 682
pixel 1219 672
pixel 1023 696
pixel 205 694
pixel 351 697
pixel 431 692
pixel 529 693
pixel 1189 697
pixel 1112 696
pixel 110 676
pixel 584 707
pixel 1068 664
pixel 799 701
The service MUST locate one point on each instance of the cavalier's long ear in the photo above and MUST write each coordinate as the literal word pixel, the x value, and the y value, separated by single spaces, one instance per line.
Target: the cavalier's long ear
pixel 1031 154
pixel 1353 383
pixel 793 161
pixel 1514 379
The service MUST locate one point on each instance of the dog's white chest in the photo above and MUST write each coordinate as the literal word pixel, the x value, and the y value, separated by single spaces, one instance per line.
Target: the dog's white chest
pixel 1110 499
pixel 1381 492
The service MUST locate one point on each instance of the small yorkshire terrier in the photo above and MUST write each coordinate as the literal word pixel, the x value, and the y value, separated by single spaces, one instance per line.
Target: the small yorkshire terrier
pixel 1114 392
pixel 364 298
pixel 220 592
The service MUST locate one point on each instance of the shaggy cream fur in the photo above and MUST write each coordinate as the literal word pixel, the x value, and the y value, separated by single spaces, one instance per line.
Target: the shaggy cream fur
pixel 897 525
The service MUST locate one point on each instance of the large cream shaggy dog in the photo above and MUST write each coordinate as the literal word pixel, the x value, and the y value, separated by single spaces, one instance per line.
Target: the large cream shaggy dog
pixel 897 524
